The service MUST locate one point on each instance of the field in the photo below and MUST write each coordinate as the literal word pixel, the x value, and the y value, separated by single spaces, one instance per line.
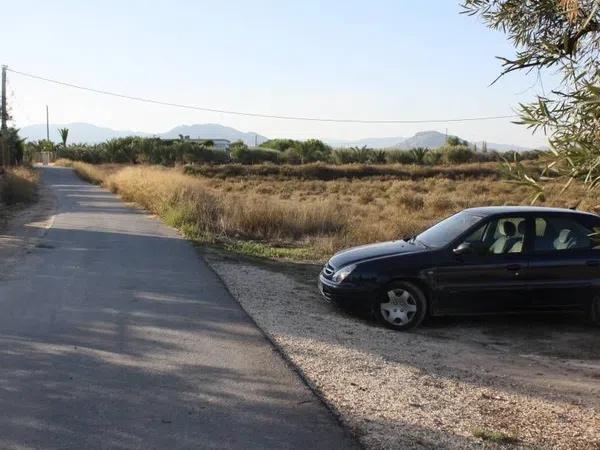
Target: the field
pixel 308 212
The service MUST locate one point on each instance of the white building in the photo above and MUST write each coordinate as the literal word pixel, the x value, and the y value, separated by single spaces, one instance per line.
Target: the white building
pixel 219 144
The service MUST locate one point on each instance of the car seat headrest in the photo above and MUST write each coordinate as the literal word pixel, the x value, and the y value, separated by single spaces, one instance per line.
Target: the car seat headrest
pixel 564 235
pixel 508 229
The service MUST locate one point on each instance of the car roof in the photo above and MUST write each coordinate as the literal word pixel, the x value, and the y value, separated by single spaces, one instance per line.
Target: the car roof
pixel 492 210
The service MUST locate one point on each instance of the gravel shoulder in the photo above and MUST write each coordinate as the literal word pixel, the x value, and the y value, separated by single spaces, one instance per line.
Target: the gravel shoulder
pixel 23 227
pixel 535 379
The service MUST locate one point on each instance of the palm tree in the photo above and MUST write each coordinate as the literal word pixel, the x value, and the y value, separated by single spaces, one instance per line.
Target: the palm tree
pixel 361 154
pixel 418 154
pixel 64 134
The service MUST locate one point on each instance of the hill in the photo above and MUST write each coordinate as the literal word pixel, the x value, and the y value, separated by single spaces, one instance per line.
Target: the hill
pixel 428 139
pixel 88 133
pixel 214 131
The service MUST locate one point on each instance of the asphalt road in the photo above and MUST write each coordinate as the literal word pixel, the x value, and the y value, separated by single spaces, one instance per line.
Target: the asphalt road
pixel 115 334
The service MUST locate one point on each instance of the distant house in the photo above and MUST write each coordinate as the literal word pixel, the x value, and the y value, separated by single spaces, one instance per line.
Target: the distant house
pixel 217 144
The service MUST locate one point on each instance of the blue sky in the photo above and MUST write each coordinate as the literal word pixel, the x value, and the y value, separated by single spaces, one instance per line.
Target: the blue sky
pixel 351 59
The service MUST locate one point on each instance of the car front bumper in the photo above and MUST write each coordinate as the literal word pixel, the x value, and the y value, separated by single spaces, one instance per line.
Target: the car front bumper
pixel 344 293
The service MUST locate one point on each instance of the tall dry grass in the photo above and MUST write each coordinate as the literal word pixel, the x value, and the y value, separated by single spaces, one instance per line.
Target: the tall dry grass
pixel 19 185
pixel 319 216
pixel 196 207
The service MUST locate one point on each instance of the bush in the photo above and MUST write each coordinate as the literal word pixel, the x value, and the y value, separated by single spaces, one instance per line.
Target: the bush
pixel 18 185
pixel 433 157
pixel 457 154
pixel 245 155
pixel 281 145
pixel 400 157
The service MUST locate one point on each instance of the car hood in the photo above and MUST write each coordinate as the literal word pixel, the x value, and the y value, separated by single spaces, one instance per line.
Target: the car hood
pixel 365 252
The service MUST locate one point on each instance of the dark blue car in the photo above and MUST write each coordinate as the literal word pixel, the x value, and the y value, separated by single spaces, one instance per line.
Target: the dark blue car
pixel 481 260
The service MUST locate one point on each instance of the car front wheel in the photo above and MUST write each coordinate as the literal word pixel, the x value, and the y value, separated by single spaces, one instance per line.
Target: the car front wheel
pixel 402 306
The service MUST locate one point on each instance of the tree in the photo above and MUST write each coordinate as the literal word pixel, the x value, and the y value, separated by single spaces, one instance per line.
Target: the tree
pixel 312 150
pixel 561 36
pixel 419 154
pixel 455 140
pixel 64 134
pixel 14 146
pixel 281 145
pixel 361 154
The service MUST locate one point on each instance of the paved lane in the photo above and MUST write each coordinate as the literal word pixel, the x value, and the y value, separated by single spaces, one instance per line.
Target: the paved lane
pixel 115 334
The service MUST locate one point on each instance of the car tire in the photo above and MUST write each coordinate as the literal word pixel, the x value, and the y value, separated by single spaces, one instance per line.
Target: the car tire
pixel 401 306
pixel 595 310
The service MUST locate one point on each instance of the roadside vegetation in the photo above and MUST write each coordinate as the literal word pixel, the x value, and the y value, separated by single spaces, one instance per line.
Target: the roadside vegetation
pixel 18 185
pixel 271 214
pixel 18 181
pixel 497 437
pixel 171 152
pixel 561 38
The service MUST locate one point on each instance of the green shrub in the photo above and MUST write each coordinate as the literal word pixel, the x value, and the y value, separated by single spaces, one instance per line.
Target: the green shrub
pixel 281 145
pixel 457 154
pixel 433 157
pixel 419 154
pixel 245 155
pixel 400 157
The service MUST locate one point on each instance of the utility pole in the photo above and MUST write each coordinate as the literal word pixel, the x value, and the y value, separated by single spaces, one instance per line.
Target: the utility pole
pixel 47 125
pixel 4 114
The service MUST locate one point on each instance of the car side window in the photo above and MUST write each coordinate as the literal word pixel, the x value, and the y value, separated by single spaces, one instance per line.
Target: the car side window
pixel 499 236
pixel 563 233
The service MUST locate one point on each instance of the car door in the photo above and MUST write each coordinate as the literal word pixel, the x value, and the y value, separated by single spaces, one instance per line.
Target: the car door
pixel 491 277
pixel 565 261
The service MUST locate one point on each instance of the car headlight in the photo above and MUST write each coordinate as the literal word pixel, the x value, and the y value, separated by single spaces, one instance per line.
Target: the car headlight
pixel 341 274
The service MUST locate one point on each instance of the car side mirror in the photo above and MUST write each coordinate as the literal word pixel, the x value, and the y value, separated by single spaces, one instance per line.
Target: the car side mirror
pixel 464 248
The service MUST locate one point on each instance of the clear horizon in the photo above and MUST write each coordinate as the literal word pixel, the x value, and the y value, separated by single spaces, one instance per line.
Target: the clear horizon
pixel 379 62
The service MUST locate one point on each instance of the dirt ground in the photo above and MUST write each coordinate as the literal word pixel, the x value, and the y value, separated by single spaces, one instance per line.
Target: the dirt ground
pixel 22 227
pixel 497 381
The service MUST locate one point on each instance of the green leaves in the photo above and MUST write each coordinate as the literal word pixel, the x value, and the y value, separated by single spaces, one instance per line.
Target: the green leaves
pixel 64 134
pixel 556 35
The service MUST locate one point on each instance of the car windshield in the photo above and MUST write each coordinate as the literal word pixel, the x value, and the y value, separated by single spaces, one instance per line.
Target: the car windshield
pixel 447 230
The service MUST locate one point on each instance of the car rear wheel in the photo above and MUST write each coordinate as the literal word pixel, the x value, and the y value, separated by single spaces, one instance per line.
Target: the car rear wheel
pixel 595 310
pixel 402 306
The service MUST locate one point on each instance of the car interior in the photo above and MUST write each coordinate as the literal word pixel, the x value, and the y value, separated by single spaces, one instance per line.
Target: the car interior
pixel 507 235
pixel 499 236
pixel 560 233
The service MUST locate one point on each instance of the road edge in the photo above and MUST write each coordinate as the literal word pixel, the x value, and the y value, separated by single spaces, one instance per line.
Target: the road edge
pixel 337 414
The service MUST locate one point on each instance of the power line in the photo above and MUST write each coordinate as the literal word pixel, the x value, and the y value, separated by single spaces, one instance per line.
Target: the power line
pixel 249 114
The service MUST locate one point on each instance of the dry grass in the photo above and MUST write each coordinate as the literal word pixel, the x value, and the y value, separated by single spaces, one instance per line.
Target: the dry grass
pixel 316 216
pixel 19 185
pixel 321 171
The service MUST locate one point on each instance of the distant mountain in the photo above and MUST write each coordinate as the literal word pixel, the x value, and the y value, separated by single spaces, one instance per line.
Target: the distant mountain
pixel 429 139
pixel 88 133
pixel 214 131
pixel 78 132
pixel 435 139
pixel 91 134
pixel 385 142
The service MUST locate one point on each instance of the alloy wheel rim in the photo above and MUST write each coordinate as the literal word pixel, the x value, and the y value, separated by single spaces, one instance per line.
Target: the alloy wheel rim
pixel 400 308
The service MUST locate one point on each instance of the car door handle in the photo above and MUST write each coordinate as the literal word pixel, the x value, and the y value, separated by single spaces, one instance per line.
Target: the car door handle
pixel 513 267
pixel 593 263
